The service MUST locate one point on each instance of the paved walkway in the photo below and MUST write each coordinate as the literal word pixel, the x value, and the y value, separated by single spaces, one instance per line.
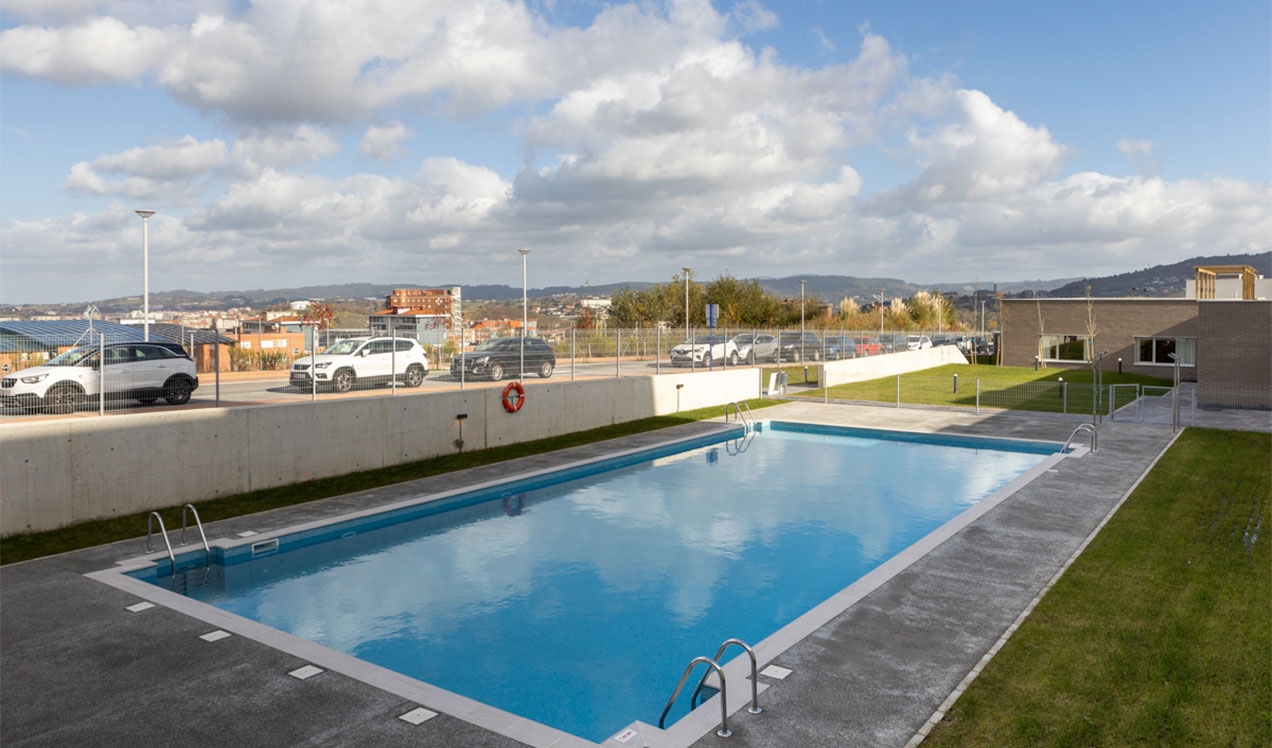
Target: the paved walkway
pixel 79 669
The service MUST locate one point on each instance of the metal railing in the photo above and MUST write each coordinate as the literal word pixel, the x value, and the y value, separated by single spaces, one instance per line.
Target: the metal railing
pixel 724 700
pixel 747 418
pixel 162 531
pixel 754 708
pixel 188 508
pixel 1095 437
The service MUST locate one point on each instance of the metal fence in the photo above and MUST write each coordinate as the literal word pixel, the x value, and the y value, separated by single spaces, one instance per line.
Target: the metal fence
pixel 257 368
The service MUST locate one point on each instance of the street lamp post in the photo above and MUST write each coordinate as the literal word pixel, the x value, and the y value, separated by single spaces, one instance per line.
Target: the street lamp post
pixel 525 316
pixel 881 315
pixel 801 320
pixel 687 271
pixel 145 271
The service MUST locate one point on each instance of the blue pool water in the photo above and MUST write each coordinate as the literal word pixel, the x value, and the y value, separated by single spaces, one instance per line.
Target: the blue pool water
pixel 579 603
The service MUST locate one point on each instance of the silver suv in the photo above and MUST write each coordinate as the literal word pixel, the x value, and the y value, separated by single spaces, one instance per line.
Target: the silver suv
pixel 136 371
pixel 362 360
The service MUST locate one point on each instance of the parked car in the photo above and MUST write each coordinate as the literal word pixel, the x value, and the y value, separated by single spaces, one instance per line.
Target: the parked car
pixel 866 346
pixel 837 348
pixel 756 347
pixel 794 346
pixel 498 357
pixel 703 350
pixel 355 361
pixel 893 342
pixel 917 342
pixel 133 371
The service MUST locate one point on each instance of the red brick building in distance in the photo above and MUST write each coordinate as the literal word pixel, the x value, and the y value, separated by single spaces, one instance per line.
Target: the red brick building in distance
pixel 429 315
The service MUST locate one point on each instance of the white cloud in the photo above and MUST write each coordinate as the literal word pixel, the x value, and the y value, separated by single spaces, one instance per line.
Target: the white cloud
pixel 753 16
pixel 384 142
pixel 281 147
pixel 1144 155
pixel 164 169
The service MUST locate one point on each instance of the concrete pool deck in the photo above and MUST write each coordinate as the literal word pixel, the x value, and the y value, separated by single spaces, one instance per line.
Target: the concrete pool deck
pixel 78 668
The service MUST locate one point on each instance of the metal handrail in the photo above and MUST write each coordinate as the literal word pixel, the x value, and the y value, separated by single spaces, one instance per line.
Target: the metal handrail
pixel 747 419
pixel 724 706
pixel 197 523
pixel 754 708
pixel 1095 437
pixel 162 531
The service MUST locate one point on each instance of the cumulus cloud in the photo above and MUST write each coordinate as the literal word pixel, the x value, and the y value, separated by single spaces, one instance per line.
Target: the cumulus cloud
pixel 151 171
pixel 753 16
pixel 653 135
pixel 281 147
pixel 1144 155
pixel 384 142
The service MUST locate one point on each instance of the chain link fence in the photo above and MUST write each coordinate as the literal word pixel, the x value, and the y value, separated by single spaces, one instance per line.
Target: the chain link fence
pixel 118 370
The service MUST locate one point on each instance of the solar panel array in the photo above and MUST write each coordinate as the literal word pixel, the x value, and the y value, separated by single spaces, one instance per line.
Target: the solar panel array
pixel 61 332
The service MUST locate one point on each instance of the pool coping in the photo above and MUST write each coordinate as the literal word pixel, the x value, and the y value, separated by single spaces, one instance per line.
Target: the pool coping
pixel 686 731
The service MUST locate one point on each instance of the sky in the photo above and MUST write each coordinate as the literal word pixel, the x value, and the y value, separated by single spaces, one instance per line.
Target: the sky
pixel 298 142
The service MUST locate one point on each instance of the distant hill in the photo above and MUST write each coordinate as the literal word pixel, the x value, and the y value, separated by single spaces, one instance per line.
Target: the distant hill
pixel 827 287
pixel 1159 280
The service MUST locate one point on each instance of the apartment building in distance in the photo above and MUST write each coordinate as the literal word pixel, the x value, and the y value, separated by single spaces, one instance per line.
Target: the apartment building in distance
pixel 429 315
pixel 1221 333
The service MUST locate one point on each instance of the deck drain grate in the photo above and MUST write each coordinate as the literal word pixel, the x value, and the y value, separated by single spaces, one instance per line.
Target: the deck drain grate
pixel 139 607
pixel 776 671
pixel 215 636
pixel 307 671
pixel 418 716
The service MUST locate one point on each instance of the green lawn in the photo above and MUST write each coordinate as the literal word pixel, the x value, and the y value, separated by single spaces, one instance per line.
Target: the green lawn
pixel 96 532
pixel 1006 387
pixel 794 374
pixel 1160 634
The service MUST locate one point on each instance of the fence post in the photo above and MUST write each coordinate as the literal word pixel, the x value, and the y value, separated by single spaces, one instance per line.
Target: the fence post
pixel 463 362
pixel 658 350
pixel 692 364
pixel 216 359
pixel 618 349
pixel 571 353
pixel 898 390
pixel 393 357
pixel 978 396
pixel 101 376
pixel 313 371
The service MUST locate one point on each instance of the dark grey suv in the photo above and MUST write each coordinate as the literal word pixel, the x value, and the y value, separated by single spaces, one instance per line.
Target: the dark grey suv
pixel 794 346
pixel 499 357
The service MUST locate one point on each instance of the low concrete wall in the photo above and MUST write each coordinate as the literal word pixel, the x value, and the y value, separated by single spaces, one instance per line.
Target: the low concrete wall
pixel 891 364
pixel 57 473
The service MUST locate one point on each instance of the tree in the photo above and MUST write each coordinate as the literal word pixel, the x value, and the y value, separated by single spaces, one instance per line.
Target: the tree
pixel 319 314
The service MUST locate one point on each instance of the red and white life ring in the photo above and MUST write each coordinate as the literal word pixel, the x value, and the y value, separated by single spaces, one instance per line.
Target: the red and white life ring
pixel 510 403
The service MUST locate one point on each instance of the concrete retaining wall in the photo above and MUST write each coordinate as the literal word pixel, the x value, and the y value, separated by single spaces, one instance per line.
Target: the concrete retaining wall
pixel 874 367
pixel 57 473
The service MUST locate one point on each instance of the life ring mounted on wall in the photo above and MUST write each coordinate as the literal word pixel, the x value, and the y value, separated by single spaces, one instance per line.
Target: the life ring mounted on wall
pixel 513 404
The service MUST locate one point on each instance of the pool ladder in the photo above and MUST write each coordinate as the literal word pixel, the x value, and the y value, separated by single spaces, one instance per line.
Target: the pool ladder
pixel 747 418
pixel 713 664
pixel 1095 437
pixel 192 578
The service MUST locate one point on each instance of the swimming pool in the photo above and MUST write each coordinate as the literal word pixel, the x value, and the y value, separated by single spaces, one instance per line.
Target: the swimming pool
pixel 576 598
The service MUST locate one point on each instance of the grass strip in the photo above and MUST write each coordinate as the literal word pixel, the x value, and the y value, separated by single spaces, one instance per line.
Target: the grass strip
pixel 27 546
pixel 1001 387
pixel 1158 634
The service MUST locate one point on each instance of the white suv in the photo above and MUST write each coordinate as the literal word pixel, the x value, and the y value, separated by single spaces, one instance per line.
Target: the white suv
pixel 137 371
pixel 365 360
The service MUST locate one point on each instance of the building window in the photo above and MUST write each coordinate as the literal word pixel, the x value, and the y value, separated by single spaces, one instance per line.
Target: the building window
pixel 1156 351
pixel 1066 348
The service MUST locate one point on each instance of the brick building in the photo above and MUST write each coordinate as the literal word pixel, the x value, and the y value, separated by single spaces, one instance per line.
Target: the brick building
pixel 429 315
pixel 1224 345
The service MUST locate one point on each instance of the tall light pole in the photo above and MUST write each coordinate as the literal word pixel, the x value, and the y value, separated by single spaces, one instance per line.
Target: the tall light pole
pixel 881 315
pixel 801 320
pixel 145 271
pixel 525 316
pixel 687 271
